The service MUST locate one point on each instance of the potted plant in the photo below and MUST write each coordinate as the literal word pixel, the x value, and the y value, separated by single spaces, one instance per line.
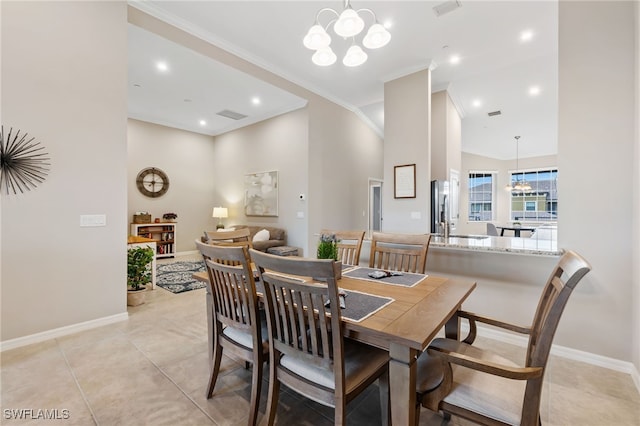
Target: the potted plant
pixel 169 217
pixel 138 274
pixel 328 249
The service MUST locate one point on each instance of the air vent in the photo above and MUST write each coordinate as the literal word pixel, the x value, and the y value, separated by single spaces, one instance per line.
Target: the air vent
pixel 493 113
pixel 231 114
pixel 446 7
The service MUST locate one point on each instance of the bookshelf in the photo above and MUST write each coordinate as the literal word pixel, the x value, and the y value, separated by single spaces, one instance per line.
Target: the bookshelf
pixel 163 233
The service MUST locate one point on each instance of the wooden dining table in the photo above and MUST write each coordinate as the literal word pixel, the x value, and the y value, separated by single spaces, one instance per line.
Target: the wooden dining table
pixel 404 327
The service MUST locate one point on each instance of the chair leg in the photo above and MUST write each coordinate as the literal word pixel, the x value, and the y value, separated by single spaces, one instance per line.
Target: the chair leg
pixel 214 369
pixel 274 389
pixel 256 386
pixel 340 418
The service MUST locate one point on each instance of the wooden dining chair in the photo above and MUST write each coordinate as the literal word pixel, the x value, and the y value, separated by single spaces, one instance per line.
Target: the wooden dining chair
pixel 234 321
pixel 237 237
pixel 399 252
pixel 483 386
pixel 308 353
pixel 349 245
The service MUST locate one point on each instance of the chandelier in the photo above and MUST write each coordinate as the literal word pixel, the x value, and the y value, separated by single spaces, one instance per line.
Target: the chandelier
pixel 521 185
pixel 347 24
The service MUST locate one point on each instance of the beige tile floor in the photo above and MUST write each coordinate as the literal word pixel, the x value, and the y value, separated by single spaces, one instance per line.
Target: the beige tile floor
pixel 152 370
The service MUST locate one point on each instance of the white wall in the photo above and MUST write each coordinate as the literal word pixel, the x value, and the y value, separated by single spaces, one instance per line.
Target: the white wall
pixel 64 81
pixel 595 156
pixel 188 160
pixel 407 131
pixel 343 154
pixel 635 344
pixel 446 136
pixel 277 144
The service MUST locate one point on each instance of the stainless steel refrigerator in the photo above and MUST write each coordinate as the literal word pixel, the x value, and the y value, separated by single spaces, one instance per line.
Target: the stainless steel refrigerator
pixel 439 205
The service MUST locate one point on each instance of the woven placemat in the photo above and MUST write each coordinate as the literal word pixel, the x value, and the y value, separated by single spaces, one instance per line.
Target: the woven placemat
pixel 407 279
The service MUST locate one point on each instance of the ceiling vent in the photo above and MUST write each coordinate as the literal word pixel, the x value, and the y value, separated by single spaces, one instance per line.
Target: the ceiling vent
pixel 446 7
pixel 231 114
pixel 493 113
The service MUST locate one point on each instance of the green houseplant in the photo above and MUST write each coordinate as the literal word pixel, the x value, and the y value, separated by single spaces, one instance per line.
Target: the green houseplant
pixel 138 273
pixel 328 247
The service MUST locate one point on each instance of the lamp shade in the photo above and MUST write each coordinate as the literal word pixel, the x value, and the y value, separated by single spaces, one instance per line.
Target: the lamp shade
pixel 349 23
pixel 316 38
pixel 220 212
pixel 324 57
pixel 376 37
pixel 355 56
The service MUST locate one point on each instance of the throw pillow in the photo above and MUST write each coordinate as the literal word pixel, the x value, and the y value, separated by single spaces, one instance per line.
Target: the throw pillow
pixel 262 235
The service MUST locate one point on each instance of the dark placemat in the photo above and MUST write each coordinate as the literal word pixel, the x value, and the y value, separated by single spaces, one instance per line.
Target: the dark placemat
pixel 407 279
pixel 359 306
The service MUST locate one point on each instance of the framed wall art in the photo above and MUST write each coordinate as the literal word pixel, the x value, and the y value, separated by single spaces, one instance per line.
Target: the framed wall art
pixel 261 194
pixel 404 181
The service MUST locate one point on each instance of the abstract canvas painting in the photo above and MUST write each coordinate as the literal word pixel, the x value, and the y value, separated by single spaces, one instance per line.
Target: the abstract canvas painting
pixel 261 194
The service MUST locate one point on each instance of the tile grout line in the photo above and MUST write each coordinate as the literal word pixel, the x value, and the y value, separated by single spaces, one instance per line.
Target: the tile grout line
pixel 75 379
pixel 173 382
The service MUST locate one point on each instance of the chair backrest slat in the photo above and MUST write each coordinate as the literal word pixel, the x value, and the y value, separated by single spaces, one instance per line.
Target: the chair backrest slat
pixel 563 279
pixel 400 252
pixel 349 245
pixel 232 285
pixel 300 325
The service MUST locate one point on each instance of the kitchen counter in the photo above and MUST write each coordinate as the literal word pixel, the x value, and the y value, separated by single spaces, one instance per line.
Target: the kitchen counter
pixel 529 246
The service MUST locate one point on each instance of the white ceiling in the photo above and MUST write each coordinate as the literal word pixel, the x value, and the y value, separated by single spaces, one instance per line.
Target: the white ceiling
pixel 495 67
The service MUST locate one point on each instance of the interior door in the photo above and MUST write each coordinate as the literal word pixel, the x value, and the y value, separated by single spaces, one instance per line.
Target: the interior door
pixel 375 205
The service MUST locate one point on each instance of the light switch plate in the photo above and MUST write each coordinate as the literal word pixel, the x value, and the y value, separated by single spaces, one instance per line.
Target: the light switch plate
pixel 89 220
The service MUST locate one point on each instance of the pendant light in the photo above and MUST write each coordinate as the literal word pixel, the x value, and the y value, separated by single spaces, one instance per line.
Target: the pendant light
pixel 520 185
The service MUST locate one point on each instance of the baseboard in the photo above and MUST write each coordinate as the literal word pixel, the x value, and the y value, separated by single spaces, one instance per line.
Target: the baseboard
pixel 564 352
pixel 62 331
pixel 635 375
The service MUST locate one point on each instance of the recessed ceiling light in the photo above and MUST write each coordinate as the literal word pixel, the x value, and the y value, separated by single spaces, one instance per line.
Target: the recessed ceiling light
pixel 477 103
pixel 534 90
pixel 454 59
pixel 203 123
pixel 162 66
pixel 255 100
pixel 526 35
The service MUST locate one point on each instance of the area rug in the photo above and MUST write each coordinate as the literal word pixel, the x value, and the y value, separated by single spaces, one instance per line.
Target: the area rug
pixel 177 277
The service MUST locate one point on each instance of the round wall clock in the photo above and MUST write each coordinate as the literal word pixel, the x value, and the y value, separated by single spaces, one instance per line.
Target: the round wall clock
pixel 152 182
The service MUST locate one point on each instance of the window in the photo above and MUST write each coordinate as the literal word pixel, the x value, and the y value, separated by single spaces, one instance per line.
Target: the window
pixel 481 196
pixel 539 204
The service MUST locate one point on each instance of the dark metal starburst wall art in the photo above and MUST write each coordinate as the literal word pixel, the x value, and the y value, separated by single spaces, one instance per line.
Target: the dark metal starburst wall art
pixel 23 164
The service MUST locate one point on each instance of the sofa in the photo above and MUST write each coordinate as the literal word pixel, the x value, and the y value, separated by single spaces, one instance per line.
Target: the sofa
pixel 277 236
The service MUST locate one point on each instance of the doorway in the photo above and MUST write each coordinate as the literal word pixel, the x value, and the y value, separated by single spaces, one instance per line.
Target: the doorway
pixel 375 205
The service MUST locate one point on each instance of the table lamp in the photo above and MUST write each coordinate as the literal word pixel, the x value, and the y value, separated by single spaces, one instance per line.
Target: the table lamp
pixel 220 212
